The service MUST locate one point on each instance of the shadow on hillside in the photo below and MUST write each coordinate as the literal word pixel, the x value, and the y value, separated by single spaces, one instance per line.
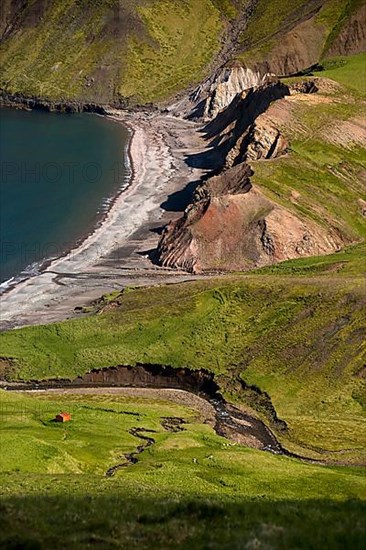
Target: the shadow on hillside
pixel 119 520
pixel 211 158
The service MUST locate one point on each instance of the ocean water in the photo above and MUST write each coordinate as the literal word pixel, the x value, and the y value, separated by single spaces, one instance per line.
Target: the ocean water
pixel 58 175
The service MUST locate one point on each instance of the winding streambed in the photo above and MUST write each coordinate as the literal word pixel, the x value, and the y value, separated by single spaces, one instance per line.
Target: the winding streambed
pixel 170 424
pixel 229 421
pixel 131 458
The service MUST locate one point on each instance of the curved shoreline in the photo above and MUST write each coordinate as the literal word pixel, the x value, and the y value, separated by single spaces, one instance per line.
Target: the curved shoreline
pixel 48 264
pixel 102 217
pixel 157 152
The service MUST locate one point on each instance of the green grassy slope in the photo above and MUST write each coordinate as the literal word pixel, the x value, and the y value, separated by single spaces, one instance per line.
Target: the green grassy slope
pixel 182 41
pixel 296 332
pixel 141 50
pixel 322 177
pixel 349 71
pixel 190 489
pixel 274 20
pixel 96 438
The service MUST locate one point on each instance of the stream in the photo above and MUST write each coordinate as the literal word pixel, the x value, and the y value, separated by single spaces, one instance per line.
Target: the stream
pixel 230 422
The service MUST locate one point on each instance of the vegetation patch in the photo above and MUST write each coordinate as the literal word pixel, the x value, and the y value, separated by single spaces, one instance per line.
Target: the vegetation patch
pixel 141 50
pixel 298 337
pixel 185 489
pixel 350 71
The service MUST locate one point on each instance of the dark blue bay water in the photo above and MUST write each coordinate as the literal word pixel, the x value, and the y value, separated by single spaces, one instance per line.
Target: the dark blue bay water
pixel 58 174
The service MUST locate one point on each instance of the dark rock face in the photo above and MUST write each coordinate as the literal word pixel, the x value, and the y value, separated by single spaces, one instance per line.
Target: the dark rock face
pixel 139 376
pixel 145 376
pixel 22 102
pixel 352 36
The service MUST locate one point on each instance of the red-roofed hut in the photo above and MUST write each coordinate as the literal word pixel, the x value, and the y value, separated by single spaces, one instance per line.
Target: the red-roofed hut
pixel 63 417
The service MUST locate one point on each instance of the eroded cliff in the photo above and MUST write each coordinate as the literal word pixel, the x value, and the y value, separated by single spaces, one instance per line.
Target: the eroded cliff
pixel 233 224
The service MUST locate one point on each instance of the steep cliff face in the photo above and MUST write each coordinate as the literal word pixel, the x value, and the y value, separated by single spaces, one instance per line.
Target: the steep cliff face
pixel 288 37
pixel 216 93
pixel 234 225
pixel 241 131
pixel 351 37
pixel 297 49
pixel 224 209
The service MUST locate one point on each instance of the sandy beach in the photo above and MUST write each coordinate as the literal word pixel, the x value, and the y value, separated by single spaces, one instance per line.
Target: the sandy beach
pixel 116 254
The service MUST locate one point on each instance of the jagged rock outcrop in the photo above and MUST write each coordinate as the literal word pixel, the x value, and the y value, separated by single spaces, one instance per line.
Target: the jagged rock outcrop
pixel 241 132
pixel 210 227
pixel 223 91
pixel 265 141
pixel 231 226
pixel 261 140
pixel 216 93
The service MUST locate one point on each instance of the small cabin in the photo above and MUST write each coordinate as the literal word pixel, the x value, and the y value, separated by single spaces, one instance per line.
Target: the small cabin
pixel 63 417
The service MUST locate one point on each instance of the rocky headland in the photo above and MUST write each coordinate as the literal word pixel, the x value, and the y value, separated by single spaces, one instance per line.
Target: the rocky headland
pixel 231 224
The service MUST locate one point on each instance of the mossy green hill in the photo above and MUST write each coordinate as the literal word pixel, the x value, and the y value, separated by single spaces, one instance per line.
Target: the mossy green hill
pixel 147 50
pixel 295 331
pixel 284 342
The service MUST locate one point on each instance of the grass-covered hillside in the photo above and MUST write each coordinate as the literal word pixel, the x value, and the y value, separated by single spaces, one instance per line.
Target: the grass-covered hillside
pixel 290 36
pixel 295 331
pixel 102 50
pixel 322 178
pixel 349 71
pixel 146 50
pixel 189 489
